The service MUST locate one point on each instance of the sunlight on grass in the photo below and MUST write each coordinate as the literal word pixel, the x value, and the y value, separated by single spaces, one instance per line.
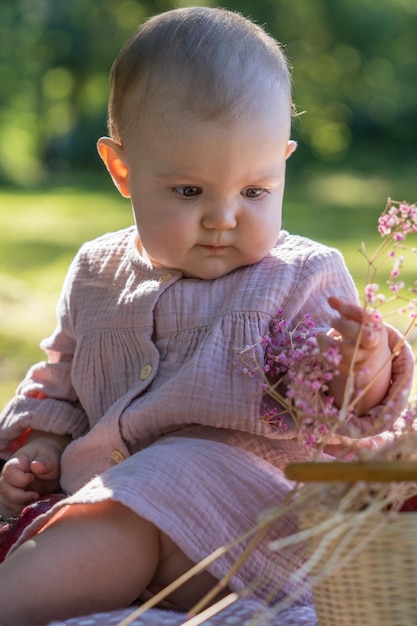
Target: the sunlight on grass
pixel 39 235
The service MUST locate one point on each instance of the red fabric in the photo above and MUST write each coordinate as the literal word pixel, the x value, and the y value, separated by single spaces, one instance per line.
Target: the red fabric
pixel 18 442
pixel 11 530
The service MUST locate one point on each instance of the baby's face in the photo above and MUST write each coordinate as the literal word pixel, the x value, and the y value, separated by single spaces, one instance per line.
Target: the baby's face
pixel 207 195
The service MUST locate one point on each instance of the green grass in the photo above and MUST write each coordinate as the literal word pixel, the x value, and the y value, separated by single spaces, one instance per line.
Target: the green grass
pixel 40 232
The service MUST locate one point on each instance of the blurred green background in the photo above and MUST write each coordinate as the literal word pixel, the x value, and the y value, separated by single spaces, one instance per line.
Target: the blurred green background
pixel 355 87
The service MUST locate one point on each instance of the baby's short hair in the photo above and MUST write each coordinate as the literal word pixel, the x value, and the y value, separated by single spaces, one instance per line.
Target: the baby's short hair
pixel 209 62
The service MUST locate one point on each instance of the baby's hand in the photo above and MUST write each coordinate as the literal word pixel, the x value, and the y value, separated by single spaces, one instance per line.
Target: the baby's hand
pixel 30 473
pixel 362 340
pixel 361 336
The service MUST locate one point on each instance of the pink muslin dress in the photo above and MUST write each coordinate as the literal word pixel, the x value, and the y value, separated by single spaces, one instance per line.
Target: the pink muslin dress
pixel 140 374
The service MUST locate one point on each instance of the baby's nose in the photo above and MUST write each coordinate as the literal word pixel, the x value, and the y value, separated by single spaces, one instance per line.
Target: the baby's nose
pixel 220 217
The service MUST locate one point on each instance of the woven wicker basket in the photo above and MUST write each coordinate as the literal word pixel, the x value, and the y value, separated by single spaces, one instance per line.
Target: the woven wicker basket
pixel 364 570
pixel 374 579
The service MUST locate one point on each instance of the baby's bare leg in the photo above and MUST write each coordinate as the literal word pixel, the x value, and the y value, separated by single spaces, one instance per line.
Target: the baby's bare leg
pixel 172 565
pixel 96 557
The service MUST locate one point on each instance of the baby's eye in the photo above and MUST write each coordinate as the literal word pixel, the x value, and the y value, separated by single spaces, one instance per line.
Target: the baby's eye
pixel 189 191
pixel 253 193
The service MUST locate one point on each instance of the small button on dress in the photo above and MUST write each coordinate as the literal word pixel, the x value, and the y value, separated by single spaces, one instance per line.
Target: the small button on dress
pixel 117 456
pixel 146 372
pixel 165 277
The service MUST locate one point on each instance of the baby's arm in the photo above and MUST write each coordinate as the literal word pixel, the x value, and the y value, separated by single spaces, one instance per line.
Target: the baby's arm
pixel 370 354
pixel 31 472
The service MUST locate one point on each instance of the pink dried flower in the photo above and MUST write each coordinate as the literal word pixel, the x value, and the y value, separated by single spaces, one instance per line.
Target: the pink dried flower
pixel 396 287
pixel 398 264
pixel 371 291
pixel 398 220
pixel 296 376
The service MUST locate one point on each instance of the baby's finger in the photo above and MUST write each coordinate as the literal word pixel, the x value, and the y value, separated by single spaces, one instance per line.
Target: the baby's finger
pixel 347 310
pixel 14 473
pixel 329 339
pixel 370 338
pixel 348 329
pixel 367 336
pixel 45 466
pixel 43 472
pixel 349 352
pixel 14 499
pixel 368 317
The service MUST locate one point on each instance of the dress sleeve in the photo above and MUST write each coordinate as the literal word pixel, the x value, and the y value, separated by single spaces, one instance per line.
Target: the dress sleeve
pixel 324 274
pixel 45 399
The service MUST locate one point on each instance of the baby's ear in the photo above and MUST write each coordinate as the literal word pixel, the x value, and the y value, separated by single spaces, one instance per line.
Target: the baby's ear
pixel 291 147
pixel 114 159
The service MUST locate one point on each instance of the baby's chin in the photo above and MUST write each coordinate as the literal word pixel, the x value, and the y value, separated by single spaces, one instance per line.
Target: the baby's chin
pixel 213 268
pixel 213 274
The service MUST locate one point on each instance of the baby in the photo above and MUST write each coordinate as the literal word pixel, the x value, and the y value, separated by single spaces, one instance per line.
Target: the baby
pixel 137 414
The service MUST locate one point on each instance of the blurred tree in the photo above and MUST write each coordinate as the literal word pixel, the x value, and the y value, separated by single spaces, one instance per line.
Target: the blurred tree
pixel 54 62
pixel 354 60
pixel 355 70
